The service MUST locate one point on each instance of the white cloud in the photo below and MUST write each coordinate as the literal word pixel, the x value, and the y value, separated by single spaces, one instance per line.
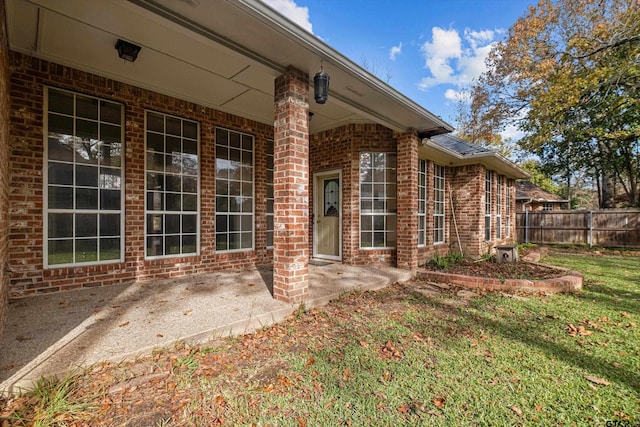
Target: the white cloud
pixel 457 95
pixel 455 60
pixel 289 8
pixel 395 51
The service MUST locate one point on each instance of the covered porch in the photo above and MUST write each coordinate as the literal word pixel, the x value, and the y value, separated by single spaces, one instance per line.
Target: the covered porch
pixel 50 334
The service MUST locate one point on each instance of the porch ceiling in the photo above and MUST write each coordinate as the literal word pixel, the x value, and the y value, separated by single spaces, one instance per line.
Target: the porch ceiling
pixel 218 53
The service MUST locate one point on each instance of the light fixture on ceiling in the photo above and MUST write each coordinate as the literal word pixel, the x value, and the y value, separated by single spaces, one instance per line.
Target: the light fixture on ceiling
pixel 127 51
pixel 321 86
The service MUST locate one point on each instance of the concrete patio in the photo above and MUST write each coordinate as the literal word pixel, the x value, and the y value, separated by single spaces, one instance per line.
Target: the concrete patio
pixel 50 334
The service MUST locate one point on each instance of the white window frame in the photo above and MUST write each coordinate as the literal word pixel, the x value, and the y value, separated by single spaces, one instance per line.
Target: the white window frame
pixel 389 212
pixel 79 211
pixel 422 202
pixel 228 213
pixel 487 204
pixel 164 213
pixel 439 205
pixel 499 194
pixel 270 198
pixel 547 207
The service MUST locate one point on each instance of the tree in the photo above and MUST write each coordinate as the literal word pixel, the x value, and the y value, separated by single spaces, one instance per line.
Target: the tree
pixel 568 74
pixel 539 177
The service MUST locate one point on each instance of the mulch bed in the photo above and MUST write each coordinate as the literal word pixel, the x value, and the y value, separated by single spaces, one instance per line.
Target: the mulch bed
pixel 503 270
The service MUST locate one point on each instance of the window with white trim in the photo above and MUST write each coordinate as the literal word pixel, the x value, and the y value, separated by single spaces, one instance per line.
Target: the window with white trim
pixel 547 207
pixel 84 200
pixel 422 202
pixel 487 205
pixel 172 182
pixel 438 204
pixel 270 199
pixel 378 200
pixel 508 209
pixel 499 207
pixel 234 190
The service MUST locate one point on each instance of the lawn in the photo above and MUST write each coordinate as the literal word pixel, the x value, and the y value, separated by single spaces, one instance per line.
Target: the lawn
pixel 392 357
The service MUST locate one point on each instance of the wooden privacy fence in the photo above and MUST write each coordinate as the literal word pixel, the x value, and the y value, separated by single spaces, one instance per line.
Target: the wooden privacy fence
pixel 606 228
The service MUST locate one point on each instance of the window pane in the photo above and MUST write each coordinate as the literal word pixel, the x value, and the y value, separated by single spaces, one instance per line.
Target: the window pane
pixel 172 245
pixel 60 225
pixel 154 246
pixel 60 125
pixel 190 130
pixel 87 107
pixel 110 112
pixel 86 250
pixel 109 178
pixel 87 176
pixel 61 147
pixel 172 224
pixel 174 183
pixel 174 202
pixel 109 249
pixel 60 173
pixel 110 134
pixel 86 225
pixel 86 130
pixel 110 199
pixel 60 252
pixel 61 102
pixel 189 224
pixel 189 244
pixel 155 122
pixel 60 197
pixel 154 224
pixel 87 198
pixel 111 154
pixel 110 225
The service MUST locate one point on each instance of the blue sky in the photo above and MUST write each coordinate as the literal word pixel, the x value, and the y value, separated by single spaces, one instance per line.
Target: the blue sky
pixel 427 49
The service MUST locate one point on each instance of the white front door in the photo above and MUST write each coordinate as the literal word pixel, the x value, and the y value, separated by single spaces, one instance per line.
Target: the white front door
pixel 327 223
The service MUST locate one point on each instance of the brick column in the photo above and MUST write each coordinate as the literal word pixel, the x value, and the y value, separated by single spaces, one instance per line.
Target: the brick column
pixel 291 187
pixel 407 229
pixel 4 168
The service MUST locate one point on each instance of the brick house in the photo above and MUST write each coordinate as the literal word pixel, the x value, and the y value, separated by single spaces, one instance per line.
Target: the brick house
pixel 208 152
pixel 530 197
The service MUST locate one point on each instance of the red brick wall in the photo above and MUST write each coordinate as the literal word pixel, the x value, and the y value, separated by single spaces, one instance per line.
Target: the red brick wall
pixel 468 198
pixel 468 203
pixel 28 78
pixel 4 167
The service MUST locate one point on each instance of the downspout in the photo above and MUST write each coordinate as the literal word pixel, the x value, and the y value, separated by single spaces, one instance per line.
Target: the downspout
pixel 526 220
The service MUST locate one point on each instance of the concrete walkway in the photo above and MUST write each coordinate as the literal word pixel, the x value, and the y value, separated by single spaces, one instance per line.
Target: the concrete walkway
pixel 50 334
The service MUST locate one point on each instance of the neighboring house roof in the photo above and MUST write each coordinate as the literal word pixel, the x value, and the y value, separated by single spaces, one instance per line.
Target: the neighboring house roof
pixel 453 151
pixel 216 53
pixel 526 190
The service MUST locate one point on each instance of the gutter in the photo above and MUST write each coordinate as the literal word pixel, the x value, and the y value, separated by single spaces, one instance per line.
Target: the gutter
pixel 264 13
pixel 478 156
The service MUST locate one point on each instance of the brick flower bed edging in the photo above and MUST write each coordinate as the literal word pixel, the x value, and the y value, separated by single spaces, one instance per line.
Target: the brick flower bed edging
pixel 570 282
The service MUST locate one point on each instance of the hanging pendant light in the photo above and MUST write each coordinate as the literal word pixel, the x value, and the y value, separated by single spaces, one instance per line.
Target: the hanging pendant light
pixel 321 86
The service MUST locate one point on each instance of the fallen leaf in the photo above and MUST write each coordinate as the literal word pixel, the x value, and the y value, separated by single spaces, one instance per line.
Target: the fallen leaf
pixel 123 324
pixel 596 380
pixel 625 314
pixel 537 407
pixel 302 422
pixel 572 330
pixel 516 410
pixel 310 362
pixel 187 312
pixel 403 408
pixel 219 401
pixel 439 402
pixel 364 343
pixel 583 331
pixel 474 343
pixel 159 335
pixel 253 284
pixel 622 416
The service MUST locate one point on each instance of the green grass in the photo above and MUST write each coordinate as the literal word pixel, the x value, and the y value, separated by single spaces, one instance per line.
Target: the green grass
pixel 395 357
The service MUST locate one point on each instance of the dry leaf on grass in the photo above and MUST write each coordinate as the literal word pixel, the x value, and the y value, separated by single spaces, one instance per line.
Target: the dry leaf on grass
pixel 439 402
pixel 123 324
pixel 516 410
pixel 596 380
